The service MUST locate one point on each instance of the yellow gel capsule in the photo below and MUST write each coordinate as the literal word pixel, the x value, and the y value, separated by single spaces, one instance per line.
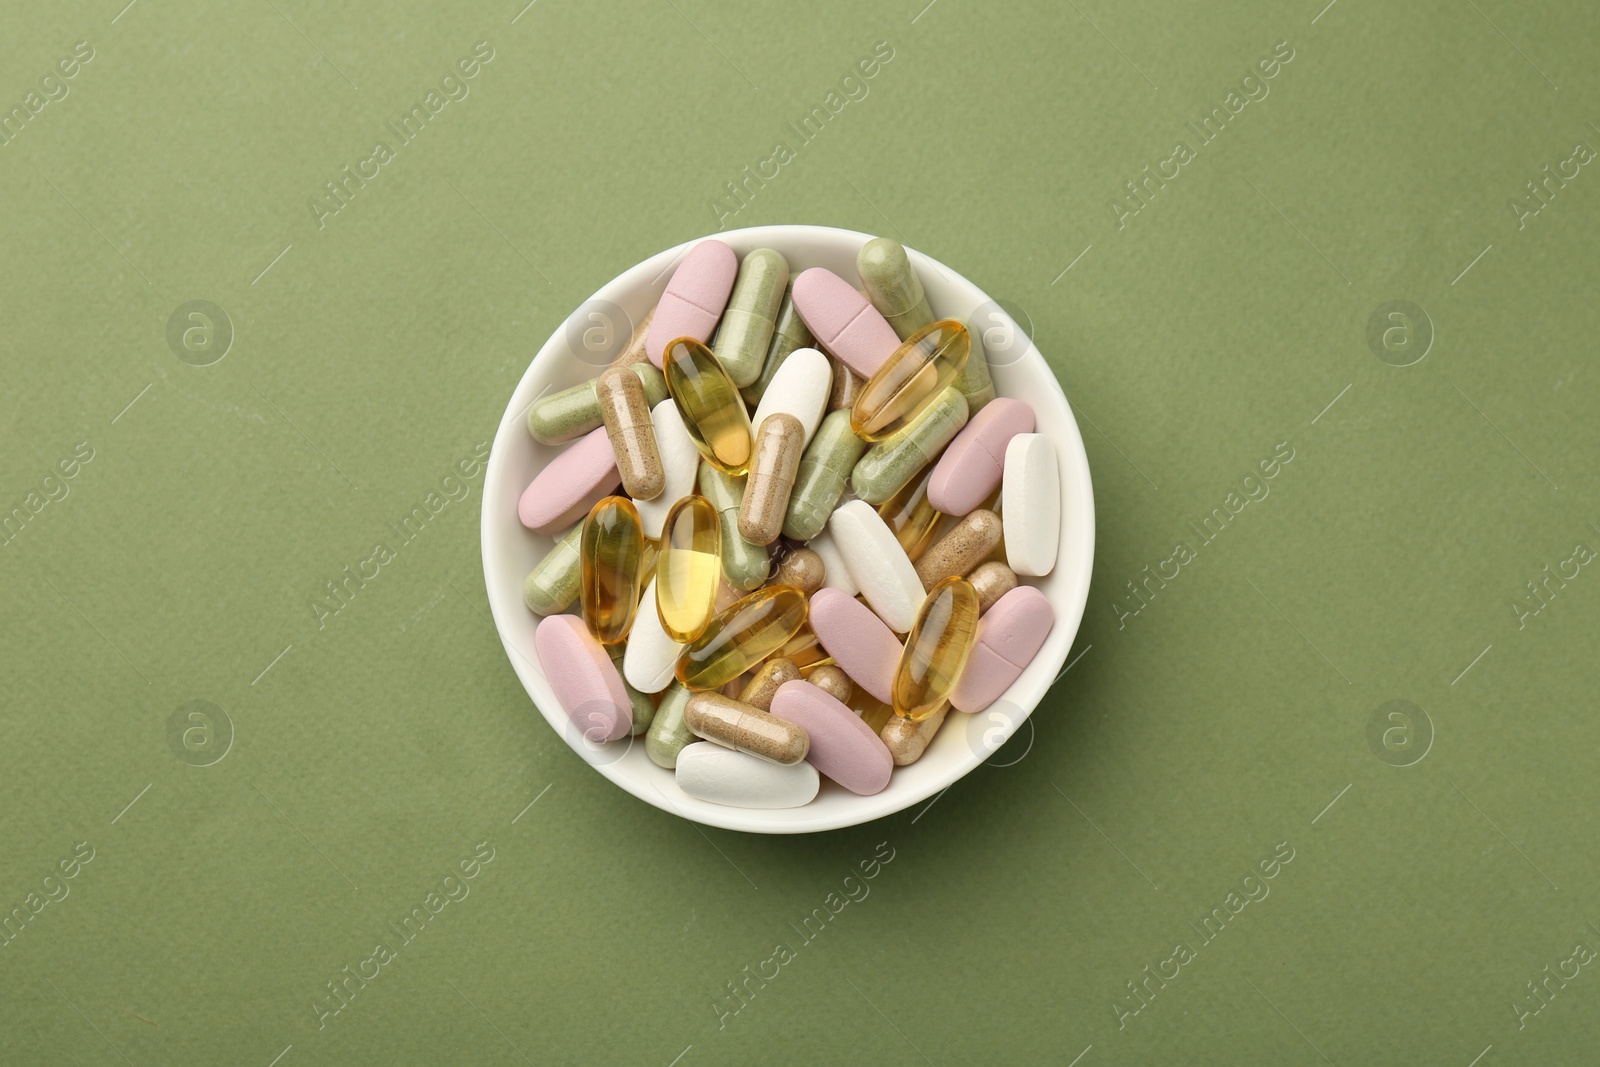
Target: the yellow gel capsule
pixel 936 649
pixel 910 516
pixel 741 636
pixel 689 568
pixel 612 549
pixel 919 369
pixel 712 409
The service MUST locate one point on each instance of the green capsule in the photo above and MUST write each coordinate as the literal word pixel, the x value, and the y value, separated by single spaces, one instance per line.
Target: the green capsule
pixel 824 469
pixel 974 381
pixel 571 413
pixel 789 336
pixel 743 564
pixel 895 460
pixel 644 709
pixel 554 582
pixel 893 286
pixel 746 329
pixel 669 734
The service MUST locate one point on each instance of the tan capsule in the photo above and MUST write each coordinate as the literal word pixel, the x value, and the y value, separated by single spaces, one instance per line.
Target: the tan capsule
pixel 759 690
pixel 636 351
pixel 833 681
pixel 908 740
pixel 780 440
pixel 992 581
pixel 736 725
pixel 960 550
pixel 846 386
pixel 802 569
pixel 633 438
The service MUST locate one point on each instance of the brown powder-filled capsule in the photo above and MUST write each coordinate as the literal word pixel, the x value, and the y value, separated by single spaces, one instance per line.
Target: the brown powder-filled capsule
pixel 780 440
pixel 833 681
pixel 736 725
pixel 633 438
pixel 636 352
pixel 759 692
pixel 993 580
pixel 803 569
pixel 908 740
pixel 847 385
pixel 960 550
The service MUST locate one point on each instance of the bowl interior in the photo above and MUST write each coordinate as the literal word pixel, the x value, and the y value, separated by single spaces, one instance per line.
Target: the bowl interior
pixel 510 550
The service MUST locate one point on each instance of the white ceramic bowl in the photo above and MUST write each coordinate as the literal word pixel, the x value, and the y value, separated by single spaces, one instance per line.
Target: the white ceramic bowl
pixel 510 550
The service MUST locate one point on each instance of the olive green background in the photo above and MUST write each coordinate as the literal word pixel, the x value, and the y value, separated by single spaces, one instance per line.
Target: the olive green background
pixel 373 753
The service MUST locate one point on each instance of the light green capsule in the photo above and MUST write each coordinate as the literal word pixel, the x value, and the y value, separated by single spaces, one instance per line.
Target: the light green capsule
pixel 669 734
pixel 644 709
pixel 895 460
pixel 554 582
pixel 824 469
pixel 974 381
pixel 747 325
pixel 790 335
pixel 571 413
pixel 743 564
pixel 892 286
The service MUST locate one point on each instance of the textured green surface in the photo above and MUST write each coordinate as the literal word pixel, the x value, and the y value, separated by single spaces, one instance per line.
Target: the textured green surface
pixel 1222 325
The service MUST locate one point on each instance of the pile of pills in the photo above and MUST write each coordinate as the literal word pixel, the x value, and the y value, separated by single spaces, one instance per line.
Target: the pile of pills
pixel 826 520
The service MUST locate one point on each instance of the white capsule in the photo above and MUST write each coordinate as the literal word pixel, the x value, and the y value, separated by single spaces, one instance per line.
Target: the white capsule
pixel 801 388
pixel 680 461
pixel 837 575
pixel 707 771
pixel 877 564
pixel 1030 505
pixel 651 654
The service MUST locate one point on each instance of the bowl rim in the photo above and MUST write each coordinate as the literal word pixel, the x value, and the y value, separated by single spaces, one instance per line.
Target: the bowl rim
pixel 1078 559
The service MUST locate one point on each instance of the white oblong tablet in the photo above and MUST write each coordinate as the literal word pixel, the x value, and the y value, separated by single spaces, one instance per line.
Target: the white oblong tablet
pixel 800 388
pixel 1030 504
pixel 651 655
pixel 707 771
pixel 836 575
pixel 680 461
pixel 877 564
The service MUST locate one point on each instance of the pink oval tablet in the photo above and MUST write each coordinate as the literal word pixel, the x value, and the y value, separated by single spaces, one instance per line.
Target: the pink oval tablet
pixel 972 466
pixel 570 484
pixel 1009 635
pixel 585 680
pixel 842 746
pixel 860 643
pixel 694 299
pixel 844 323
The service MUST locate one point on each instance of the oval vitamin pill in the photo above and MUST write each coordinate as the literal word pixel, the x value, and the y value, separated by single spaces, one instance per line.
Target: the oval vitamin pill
pixel 694 298
pixel 878 565
pixel 712 409
pixel 741 636
pixel 970 469
pixel 570 484
pixel 908 381
pixel 688 569
pixel 859 642
pixel 842 746
pixel 842 321
pixel 717 775
pixel 585 681
pixel 1009 635
pixel 612 550
pixel 937 649
pixel 1030 504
